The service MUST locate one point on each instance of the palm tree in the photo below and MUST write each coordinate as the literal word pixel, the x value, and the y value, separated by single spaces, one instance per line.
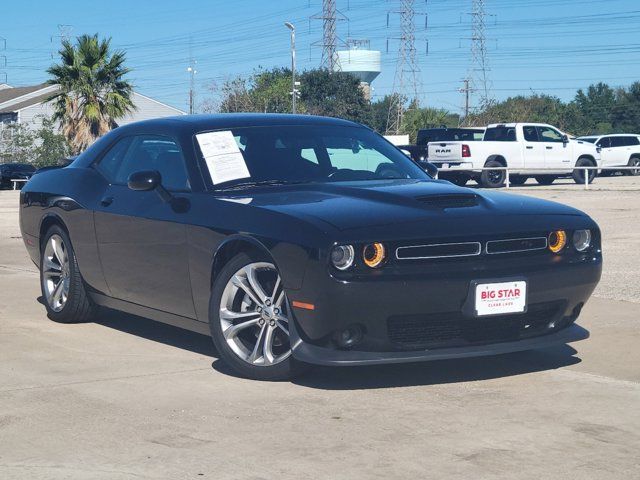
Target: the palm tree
pixel 92 90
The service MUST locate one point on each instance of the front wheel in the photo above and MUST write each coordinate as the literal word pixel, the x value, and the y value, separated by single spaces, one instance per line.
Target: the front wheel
pixel 63 289
pixel 634 162
pixel 493 178
pixel 249 318
pixel 578 174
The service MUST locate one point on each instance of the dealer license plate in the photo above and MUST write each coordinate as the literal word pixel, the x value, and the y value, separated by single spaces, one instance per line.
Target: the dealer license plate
pixel 496 298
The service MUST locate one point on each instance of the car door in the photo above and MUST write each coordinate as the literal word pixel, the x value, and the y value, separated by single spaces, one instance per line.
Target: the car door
pixel 622 150
pixel 142 239
pixel 556 152
pixel 607 153
pixel 533 153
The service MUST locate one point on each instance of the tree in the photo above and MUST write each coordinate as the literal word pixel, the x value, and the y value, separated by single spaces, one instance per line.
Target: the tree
pixel 595 108
pixel 17 144
pixel 51 146
pixel 416 118
pixel 334 94
pixel 380 113
pixel 93 91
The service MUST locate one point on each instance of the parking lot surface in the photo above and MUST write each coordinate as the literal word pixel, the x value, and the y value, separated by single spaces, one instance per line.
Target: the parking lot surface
pixel 127 398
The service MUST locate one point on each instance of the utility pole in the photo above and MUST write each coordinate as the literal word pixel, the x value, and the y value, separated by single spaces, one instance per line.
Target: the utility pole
pixel 479 62
pixel 64 34
pixel 3 47
pixel 294 90
pixel 330 15
pixel 192 80
pixel 406 83
pixel 466 90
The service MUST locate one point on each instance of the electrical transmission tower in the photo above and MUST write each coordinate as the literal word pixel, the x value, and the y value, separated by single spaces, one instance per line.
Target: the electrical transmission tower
pixel 330 15
pixel 64 34
pixel 479 62
pixel 406 83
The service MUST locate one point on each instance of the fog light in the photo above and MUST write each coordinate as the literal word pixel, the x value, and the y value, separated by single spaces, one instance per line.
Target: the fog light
pixel 581 240
pixel 342 256
pixel 348 337
pixel 557 240
pixel 373 255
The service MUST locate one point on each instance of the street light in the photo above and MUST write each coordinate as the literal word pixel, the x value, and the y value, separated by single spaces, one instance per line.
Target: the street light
pixel 293 64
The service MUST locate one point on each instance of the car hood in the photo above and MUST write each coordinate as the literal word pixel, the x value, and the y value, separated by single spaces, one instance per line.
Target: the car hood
pixel 351 206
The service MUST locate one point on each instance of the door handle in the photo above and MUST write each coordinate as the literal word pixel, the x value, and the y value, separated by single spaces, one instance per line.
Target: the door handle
pixel 106 201
pixel 549 148
pixel 529 147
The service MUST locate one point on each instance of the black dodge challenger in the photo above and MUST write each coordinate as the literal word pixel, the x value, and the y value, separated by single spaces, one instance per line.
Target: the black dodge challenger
pixel 296 240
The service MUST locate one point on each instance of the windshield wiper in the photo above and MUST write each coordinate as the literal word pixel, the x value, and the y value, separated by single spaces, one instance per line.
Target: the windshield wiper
pixel 258 183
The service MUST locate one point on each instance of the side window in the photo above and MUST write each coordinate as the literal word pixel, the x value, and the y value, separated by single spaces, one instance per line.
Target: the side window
pixel 530 133
pixel 604 142
pixel 634 141
pixel 155 152
pixel 309 154
pixel 618 141
pixel 548 134
pixel 110 163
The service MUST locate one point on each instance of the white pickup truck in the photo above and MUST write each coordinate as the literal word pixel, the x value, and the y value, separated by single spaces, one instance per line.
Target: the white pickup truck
pixel 525 146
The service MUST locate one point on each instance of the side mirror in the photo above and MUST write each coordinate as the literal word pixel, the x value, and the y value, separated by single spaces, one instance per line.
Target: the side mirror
pixel 565 139
pixel 430 168
pixel 144 180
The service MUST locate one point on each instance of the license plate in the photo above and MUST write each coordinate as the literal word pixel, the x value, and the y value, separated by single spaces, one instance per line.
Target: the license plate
pixel 497 298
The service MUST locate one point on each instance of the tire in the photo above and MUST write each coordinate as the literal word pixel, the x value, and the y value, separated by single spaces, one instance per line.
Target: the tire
pixel 517 179
pixel 545 179
pixel 492 178
pixel 634 162
pixel 259 350
pixel 578 174
pixel 63 289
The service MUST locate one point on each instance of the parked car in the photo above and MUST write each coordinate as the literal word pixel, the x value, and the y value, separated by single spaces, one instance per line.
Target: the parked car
pixel 296 240
pixel 618 150
pixel 516 145
pixel 14 171
pixel 420 152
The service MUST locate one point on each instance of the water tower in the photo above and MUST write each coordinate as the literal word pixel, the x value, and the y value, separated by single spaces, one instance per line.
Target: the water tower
pixel 360 61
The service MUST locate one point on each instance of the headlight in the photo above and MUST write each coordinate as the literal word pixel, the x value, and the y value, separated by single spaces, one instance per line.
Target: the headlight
pixel 557 240
pixel 342 256
pixel 374 254
pixel 581 240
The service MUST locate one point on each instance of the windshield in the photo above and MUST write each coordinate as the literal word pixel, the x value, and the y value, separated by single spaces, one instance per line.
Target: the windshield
pixel 588 139
pixel 303 154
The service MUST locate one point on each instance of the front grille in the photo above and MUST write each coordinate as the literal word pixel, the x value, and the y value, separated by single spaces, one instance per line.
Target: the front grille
pixel 453 329
pixel 516 245
pixel 439 250
pixel 455 200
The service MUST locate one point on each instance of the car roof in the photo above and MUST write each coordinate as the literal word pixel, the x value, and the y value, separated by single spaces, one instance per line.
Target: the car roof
pixel 515 124
pixel 202 122
pixel 610 135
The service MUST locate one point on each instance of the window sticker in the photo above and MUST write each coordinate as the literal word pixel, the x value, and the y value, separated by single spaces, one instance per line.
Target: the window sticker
pixel 222 156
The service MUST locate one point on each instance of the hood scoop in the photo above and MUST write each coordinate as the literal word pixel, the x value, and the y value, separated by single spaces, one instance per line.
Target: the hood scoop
pixel 449 200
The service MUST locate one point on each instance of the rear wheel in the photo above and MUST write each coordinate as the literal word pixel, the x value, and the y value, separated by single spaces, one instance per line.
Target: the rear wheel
pixel 492 178
pixel 249 317
pixel 545 179
pixel 517 179
pixel 579 173
pixel 63 289
pixel 634 162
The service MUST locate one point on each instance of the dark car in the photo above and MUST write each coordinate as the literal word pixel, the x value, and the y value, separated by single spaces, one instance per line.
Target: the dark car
pixel 420 152
pixel 14 171
pixel 297 240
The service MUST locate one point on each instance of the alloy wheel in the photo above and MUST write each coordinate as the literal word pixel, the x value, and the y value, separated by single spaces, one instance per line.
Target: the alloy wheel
pixel 55 273
pixel 254 315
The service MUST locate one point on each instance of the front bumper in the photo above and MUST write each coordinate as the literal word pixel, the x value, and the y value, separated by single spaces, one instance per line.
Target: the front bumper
pixel 309 353
pixel 426 300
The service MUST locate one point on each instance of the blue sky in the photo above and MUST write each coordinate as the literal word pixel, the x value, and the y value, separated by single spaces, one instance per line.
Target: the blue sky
pixel 542 46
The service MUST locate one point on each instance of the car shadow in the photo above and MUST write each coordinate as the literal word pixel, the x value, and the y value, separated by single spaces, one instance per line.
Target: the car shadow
pixel 361 377
pixel 158 332
pixel 439 371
